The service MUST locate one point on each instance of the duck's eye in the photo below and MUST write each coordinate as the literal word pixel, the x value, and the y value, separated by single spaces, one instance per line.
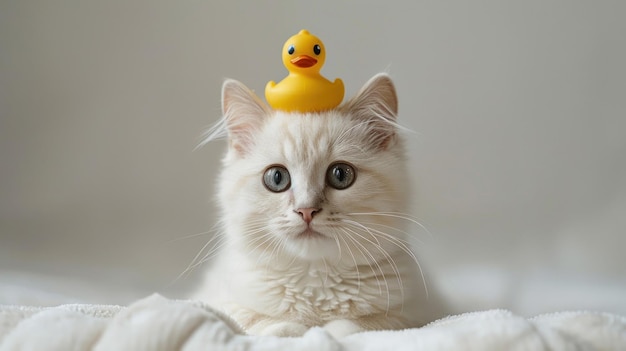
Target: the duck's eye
pixel 276 179
pixel 340 175
pixel 317 49
pixel 291 50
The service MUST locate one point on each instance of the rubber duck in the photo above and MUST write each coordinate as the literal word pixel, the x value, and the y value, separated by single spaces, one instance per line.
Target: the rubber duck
pixel 304 89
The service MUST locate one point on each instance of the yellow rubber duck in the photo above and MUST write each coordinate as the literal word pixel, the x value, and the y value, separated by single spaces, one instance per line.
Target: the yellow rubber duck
pixel 304 89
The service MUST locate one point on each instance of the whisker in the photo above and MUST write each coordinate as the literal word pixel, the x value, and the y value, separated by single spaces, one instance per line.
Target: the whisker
pixel 399 215
pixel 209 255
pixel 212 230
pixel 400 231
pixel 215 240
pixel 408 251
pixel 338 247
pixel 268 239
pixel 264 238
pixel 280 242
pixel 356 265
pixel 359 225
pixel 367 254
pixel 404 247
pixel 273 241
pixel 326 271
pixel 391 262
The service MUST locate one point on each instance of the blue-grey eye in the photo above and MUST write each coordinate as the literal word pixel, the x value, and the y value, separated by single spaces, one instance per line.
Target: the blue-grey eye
pixel 276 179
pixel 340 175
pixel 317 49
pixel 291 50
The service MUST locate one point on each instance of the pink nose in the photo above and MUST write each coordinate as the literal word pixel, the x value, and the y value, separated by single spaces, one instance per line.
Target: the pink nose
pixel 307 213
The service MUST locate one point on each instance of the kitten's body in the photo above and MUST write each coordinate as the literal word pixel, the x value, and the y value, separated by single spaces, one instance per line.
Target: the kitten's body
pixel 314 255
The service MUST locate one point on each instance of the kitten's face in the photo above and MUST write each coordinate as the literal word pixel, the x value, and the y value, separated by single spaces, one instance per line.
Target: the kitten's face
pixel 314 185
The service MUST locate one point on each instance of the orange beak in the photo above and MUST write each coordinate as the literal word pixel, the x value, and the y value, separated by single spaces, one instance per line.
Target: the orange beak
pixel 303 61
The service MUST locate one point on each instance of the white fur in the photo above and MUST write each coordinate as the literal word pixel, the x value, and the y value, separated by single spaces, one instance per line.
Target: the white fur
pixel 359 275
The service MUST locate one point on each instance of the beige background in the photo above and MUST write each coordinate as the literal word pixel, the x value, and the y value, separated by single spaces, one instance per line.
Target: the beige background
pixel 519 156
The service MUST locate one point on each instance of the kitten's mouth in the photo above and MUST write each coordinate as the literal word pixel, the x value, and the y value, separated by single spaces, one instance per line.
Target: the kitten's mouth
pixel 310 234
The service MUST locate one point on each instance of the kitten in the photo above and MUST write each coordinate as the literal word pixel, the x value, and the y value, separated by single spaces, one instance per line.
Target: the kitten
pixel 313 225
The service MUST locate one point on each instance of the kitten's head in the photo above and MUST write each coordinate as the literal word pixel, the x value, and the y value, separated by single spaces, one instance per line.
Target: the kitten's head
pixel 315 185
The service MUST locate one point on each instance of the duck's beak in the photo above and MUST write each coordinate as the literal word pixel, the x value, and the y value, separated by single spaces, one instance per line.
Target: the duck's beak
pixel 303 61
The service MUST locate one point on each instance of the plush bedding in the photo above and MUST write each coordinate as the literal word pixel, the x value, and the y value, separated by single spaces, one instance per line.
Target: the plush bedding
pixel 158 323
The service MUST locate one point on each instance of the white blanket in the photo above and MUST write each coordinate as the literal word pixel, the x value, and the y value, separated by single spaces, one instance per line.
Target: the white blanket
pixel 157 323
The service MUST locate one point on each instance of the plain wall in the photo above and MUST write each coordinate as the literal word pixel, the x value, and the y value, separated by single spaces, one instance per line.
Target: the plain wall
pixel 518 108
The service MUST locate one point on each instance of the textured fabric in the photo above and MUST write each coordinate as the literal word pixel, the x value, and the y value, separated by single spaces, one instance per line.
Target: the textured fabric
pixel 156 323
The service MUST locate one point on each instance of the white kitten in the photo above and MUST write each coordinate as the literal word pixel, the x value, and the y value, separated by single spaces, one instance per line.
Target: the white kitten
pixel 313 223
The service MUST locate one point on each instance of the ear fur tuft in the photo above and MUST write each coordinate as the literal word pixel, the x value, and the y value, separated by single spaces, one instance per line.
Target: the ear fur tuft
pixel 377 104
pixel 243 114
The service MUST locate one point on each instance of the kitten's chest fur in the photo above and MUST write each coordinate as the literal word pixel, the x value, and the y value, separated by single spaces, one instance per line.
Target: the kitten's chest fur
pixel 323 290
pixel 312 292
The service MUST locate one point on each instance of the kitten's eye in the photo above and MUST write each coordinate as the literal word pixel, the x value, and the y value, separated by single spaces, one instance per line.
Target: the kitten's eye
pixel 317 49
pixel 291 50
pixel 277 179
pixel 340 175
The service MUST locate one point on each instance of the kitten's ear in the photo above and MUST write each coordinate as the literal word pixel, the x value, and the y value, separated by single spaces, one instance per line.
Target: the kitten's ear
pixel 243 113
pixel 377 104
